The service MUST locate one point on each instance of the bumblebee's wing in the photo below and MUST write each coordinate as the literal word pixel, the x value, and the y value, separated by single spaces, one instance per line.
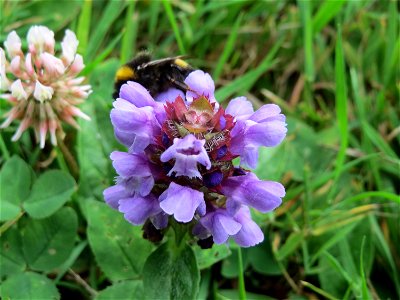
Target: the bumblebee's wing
pixel 162 61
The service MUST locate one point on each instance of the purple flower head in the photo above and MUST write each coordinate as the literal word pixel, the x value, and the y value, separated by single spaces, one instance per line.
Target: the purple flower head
pixel 179 164
pixel 187 152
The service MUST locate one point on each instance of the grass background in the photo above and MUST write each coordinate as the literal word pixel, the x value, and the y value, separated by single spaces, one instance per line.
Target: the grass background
pixel 332 66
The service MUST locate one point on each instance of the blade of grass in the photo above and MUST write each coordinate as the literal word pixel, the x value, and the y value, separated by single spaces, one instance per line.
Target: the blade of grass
pixel 292 243
pixel 392 38
pixel 102 56
pixel 110 14
pixel 155 8
pixel 83 29
pixel 362 115
pixel 341 108
pixel 383 247
pixel 377 140
pixel 333 241
pixel 174 24
pixel 228 49
pixel 364 287
pixel 321 180
pixel 326 12
pixel 305 12
pixel 129 38
pixel 246 81
pixel 318 290
pixel 242 288
pixel 379 194
pixel 338 267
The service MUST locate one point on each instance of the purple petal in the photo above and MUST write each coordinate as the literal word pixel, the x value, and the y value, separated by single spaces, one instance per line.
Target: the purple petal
pixel 267 134
pixel 181 201
pixel 136 94
pixel 113 194
pixel 249 157
pixel 268 112
pixel 250 234
pixel 187 152
pixel 169 95
pixel 221 225
pixel 127 164
pixel 240 108
pixel 129 120
pixel 124 138
pixel 249 190
pixel 140 143
pixel 138 209
pixel 200 84
pixel 160 220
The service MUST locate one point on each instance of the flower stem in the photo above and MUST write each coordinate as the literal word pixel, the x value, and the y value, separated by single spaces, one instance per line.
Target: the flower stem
pixel 69 158
pixel 242 288
pixel 10 223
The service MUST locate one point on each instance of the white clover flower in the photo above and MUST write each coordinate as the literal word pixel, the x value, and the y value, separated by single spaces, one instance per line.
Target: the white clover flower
pixel 42 87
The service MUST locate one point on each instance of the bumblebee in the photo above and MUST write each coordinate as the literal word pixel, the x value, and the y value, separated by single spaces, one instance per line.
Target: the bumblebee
pixel 155 75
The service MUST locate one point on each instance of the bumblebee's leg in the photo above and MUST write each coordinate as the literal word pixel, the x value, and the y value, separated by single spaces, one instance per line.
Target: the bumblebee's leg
pixel 179 84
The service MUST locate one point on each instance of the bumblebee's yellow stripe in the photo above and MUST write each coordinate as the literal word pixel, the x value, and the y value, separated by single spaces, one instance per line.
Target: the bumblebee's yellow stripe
pixel 180 63
pixel 125 73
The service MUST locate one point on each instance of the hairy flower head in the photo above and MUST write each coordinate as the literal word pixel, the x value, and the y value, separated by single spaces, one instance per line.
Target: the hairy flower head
pixel 42 88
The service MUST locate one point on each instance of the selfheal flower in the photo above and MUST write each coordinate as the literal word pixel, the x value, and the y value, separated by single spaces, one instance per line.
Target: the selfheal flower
pixel 42 88
pixel 187 152
pixel 182 202
pixel 179 164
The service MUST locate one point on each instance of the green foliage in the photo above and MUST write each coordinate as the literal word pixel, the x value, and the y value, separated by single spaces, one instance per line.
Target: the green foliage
pixel 129 290
pixel 332 66
pixel 49 192
pixel 29 286
pixel 118 246
pixel 47 243
pixel 171 273
pixel 15 183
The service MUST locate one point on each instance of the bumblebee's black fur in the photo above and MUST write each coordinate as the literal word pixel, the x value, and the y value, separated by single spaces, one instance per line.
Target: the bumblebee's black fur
pixel 156 76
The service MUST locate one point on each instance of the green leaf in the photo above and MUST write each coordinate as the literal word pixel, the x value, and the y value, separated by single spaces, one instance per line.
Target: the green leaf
pixel 262 259
pixel 96 139
pixel 326 12
pixel 15 182
pixel 170 274
pixel 341 105
pixel 233 295
pixel 172 19
pixel 82 33
pixel 207 257
pixel 129 39
pixel 110 13
pixel 305 12
pixel 12 259
pixel 127 290
pixel 47 243
pixel 29 286
pixel 230 266
pixel 291 245
pixel 245 82
pixel 118 246
pixel 49 193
